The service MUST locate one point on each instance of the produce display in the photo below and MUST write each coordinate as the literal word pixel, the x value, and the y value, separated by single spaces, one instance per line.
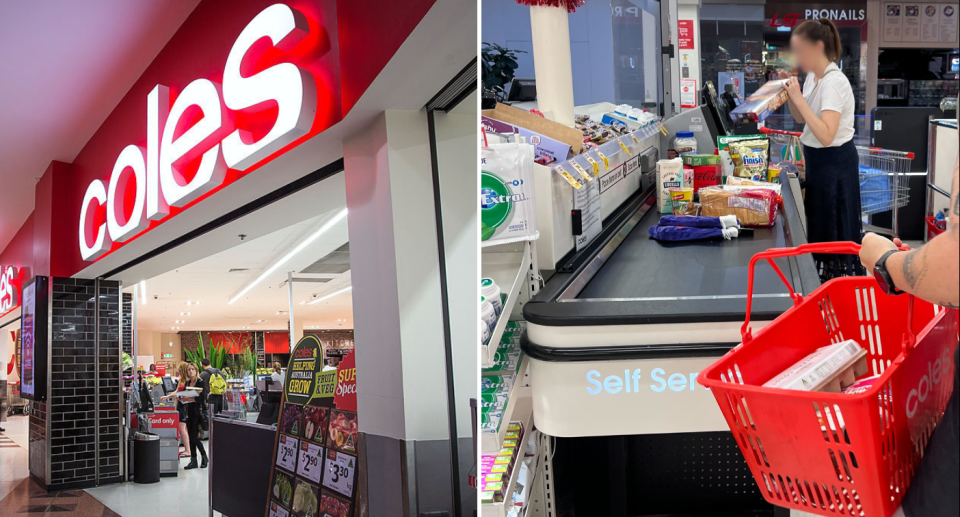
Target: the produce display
pixel 343 431
pixel 315 423
pixel 290 420
pixel 305 501
pixel 333 506
pixel 282 488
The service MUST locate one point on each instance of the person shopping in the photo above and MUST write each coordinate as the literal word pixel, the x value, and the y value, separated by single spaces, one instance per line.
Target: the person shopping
pixel 192 410
pixel 826 107
pixel 933 274
pixel 182 426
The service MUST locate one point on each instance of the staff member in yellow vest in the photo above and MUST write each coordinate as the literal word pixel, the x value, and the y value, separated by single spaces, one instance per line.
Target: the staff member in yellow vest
pixel 826 107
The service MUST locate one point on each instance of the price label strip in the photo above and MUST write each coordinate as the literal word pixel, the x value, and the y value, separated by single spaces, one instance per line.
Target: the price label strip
pixel 278 511
pixel 580 170
pixel 606 162
pixel 566 175
pixel 624 147
pixel 340 472
pixel 634 137
pixel 287 453
pixel 310 464
pixel 596 167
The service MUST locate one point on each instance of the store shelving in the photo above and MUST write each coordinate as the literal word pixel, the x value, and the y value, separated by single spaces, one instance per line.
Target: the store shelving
pixel 522 412
pixel 509 269
pixel 516 411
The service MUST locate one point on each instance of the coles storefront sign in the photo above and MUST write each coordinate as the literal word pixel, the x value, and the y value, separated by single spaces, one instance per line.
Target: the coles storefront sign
pixel 241 83
pixel 9 289
pixel 263 100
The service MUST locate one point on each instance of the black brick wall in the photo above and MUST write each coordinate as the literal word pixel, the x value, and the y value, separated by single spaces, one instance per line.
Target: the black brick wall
pixel 128 323
pixel 38 441
pixel 75 432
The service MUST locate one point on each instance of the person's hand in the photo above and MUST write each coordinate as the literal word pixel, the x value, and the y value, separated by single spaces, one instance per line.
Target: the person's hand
pixel 793 88
pixel 873 247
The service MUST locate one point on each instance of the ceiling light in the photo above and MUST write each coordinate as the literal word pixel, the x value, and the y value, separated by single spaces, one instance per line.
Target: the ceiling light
pixel 184 313
pixel 306 242
pixel 303 302
pixel 331 295
pixel 143 292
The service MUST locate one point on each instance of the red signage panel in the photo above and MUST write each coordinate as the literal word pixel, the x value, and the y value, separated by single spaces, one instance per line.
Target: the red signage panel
pixel 346 394
pixel 685 34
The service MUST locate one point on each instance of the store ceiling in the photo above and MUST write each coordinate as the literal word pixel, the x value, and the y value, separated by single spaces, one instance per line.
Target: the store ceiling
pixel 64 67
pixel 319 269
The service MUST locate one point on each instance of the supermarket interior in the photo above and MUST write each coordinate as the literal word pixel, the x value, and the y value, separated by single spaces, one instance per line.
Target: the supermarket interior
pixel 638 160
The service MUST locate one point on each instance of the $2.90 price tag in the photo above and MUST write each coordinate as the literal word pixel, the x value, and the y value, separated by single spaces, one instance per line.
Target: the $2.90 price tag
pixel 287 453
pixel 340 468
pixel 310 465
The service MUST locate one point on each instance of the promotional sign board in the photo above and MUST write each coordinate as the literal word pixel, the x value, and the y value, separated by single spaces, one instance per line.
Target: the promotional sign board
pixel 315 453
pixel 346 395
pixel 33 339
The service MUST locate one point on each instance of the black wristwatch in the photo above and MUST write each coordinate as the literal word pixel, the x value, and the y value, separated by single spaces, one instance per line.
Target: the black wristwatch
pixel 883 276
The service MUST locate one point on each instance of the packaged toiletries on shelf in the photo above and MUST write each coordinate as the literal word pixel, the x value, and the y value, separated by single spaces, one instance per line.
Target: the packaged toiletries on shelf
pixel 491 291
pixel 831 369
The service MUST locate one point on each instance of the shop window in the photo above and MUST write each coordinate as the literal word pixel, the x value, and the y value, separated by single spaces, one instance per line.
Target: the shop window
pixel 637 70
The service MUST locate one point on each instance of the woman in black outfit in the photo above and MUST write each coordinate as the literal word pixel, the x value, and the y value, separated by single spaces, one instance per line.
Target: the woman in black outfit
pixel 826 107
pixel 193 409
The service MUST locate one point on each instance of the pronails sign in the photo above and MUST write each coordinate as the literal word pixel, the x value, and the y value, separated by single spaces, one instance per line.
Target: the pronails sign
pixel 209 128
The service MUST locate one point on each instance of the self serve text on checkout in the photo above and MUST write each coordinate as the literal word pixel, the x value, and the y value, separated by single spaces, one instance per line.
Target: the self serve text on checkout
pixel 630 382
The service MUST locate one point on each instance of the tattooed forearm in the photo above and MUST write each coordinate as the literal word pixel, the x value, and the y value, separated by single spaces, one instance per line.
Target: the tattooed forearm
pixel 949 305
pixel 913 269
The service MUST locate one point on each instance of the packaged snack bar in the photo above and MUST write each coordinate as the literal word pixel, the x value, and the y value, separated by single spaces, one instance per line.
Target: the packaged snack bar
pixel 758 106
pixel 507 211
pixel 751 206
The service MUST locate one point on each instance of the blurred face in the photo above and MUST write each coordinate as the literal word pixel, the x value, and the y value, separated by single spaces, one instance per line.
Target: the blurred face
pixel 806 53
pixel 191 372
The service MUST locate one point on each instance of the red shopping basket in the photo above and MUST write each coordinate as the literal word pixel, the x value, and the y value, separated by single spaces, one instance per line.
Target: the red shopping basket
pixel 835 454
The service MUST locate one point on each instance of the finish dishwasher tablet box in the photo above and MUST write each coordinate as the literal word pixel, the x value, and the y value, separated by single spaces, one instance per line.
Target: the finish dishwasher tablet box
pixel 507 211
pixel 831 369
pixel 669 175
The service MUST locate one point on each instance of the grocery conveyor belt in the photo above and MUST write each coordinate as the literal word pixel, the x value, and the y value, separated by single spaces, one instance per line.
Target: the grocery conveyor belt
pixel 628 278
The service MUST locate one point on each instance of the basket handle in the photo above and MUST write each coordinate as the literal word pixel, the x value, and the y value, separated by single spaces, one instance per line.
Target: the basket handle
pixel 766 131
pixel 844 247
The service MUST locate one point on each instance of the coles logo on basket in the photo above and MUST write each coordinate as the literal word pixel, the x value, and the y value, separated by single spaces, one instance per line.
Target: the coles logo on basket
pixel 921 391
pixel 200 131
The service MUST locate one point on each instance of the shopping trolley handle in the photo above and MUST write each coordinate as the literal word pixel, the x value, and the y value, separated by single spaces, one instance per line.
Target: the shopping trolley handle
pixel 766 131
pixel 843 247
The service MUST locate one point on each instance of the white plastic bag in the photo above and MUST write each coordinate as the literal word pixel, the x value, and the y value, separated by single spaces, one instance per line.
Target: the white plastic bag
pixel 507 210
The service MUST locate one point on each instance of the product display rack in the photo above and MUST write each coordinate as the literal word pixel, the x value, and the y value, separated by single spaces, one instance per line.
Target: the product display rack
pixel 512 267
pixel 519 409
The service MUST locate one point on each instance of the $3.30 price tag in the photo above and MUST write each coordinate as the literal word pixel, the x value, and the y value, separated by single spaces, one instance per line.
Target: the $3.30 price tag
pixel 287 453
pixel 310 465
pixel 340 468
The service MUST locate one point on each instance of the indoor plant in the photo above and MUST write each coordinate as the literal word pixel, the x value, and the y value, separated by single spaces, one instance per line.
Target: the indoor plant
pixel 499 65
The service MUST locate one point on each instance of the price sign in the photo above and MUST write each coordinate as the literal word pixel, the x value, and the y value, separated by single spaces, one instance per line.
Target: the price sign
pixel 278 511
pixel 310 465
pixel 340 470
pixel 287 453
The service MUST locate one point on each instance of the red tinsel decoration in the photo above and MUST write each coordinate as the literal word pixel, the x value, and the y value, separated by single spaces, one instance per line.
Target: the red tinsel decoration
pixel 571 5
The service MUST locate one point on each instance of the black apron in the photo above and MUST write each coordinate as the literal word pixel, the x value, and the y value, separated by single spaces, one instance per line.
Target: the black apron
pixel 832 203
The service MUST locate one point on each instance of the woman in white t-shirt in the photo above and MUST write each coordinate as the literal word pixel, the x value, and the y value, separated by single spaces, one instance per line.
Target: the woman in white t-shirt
pixel 826 107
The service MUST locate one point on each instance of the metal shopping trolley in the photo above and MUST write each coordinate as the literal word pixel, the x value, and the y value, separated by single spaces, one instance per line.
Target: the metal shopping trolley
pixel 884 183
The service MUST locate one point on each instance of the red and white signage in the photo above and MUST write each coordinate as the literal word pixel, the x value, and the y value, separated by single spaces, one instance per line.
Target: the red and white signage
pixel 164 420
pixel 688 93
pixel 207 129
pixel 346 395
pixel 685 34
pixel 9 288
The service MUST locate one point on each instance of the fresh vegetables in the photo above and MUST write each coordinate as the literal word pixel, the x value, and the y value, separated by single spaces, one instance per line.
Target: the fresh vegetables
pixel 305 500
pixel 282 490
pixel 333 506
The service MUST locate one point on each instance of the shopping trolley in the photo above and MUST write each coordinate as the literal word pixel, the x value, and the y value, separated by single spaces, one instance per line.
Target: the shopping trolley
pixel 831 453
pixel 884 184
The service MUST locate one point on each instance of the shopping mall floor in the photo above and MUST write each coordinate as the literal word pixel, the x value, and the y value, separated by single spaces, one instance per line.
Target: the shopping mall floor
pixel 185 494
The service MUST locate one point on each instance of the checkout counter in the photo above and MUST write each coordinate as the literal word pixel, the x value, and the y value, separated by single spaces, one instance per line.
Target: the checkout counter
pixel 615 340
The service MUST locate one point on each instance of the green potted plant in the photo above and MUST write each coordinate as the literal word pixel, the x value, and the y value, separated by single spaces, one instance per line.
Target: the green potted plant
pixel 498 67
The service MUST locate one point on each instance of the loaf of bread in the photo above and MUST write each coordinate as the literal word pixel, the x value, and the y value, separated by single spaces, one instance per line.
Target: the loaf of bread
pixel 751 206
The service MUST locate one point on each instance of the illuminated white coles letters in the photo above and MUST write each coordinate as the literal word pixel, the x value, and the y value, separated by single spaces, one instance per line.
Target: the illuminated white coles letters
pixel 9 288
pixel 158 170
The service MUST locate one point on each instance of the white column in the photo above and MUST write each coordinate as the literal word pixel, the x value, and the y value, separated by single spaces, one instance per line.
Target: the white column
pixel 398 326
pixel 551 58
pixel 689 59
